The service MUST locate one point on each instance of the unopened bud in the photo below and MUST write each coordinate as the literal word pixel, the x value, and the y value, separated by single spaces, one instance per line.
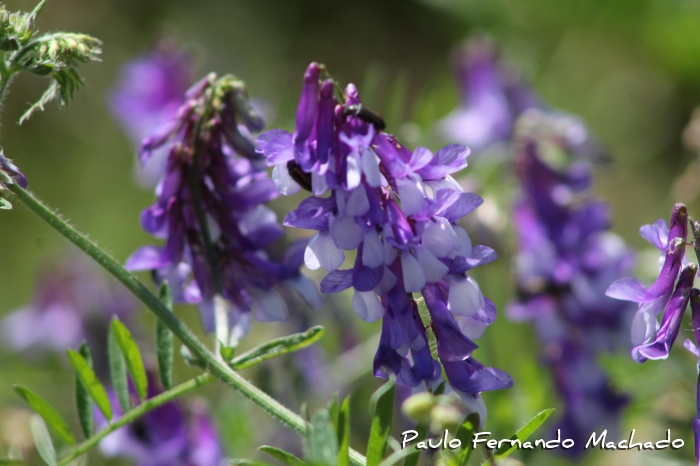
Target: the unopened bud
pixel 445 416
pixel 418 406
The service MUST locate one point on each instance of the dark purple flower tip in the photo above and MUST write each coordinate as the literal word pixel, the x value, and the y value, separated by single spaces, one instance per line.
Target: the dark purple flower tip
pixel 671 322
pixel 12 171
pixel 669 271
pixel 695 310
pixel 678 227
pixel 470 376
pixel 308 104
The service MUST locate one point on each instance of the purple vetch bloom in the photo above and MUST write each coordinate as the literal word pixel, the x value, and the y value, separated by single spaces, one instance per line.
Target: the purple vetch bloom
pixel 656 299
pixel 12 171
pixel 72 302
pixel 150 91
pixel 493 97
pixel 397 209
pixel 211 212
pixel 169 435
pixel 566 260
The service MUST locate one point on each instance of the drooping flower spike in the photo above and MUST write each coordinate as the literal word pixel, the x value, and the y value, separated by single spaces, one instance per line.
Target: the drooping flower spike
pixel 670 294
pixel 397 209
pixel 211 212
pixel 566 259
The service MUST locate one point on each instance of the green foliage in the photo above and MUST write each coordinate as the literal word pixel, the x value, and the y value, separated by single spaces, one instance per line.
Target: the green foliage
pixel 132 356
pixel 524 432
pixel 281 455
pixel 164 341
pixel 89 381
pixel 382 409
pixel 46 411
pixel 42 440
pixel 342 425
pixel 82 397
pixel 278 347
pixel 323 440
pixel 117 372
pixel 5 204
pixel 465 434
pixel 16 27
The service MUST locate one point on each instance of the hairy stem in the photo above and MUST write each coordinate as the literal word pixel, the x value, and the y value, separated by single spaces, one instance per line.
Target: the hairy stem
pixel 214 365
pixel 135 413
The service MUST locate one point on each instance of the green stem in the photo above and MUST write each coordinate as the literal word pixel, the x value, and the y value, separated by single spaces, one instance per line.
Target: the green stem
pixel 213 364
pixel 133 414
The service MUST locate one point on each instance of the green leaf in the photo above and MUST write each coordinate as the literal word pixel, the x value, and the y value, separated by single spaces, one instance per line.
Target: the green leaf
pixel 52 418
pixel 82 397
pixel 465 434
pixel 524 432
pixel 5 205
pixel 117 371
pixel 323 440
pixel 12 462
pixel 398 455
pixel 422 430
pixel 246 462
pixel 132 357
pixel 164 341
pixel 278 347
pixel 42 440
pixel 333 408
pixel 281 455
pixel 91 383
pixel 343 429
pixel 382 408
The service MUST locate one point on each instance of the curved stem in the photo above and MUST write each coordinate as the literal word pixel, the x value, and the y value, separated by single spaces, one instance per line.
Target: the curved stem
pixel 135 413
pixel 214 365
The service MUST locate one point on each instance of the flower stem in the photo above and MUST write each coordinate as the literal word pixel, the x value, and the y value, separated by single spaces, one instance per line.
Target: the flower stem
pixel 214 365
pixel 135 413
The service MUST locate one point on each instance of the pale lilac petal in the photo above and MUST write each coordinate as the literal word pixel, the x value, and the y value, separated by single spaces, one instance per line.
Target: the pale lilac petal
pixel 276 145
pixel 413 275
pixel 306 289
pixel 644 327
pixel 629 289
pixel 412 196
pixel 420 158
pixel 357 203
pixel 464 242
pixel 367 306
pixel 388 282
pixel 656 234
pixel 322 252
pixel 373 249
pixel 347 234
pixel 269 306
pixel 440 238
pixel 283 181
pixel 319 185
pixel 464 297
pixel 337 280
pixel 354 172
pixel 370 167
pixel 146 258
pixel 433 269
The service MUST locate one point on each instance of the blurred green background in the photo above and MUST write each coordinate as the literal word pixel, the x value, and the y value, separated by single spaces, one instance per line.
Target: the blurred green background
pixel 630 68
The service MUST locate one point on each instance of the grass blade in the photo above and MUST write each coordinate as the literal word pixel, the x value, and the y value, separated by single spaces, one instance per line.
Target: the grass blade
pixel 117 371
pixel 343 428
pixel 524 432
pixel 281 455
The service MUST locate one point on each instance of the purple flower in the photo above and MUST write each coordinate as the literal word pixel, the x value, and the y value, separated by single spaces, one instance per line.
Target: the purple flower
pixel 566 260
pixel 493 97
pixel 150 91
pixel 654 300
pixel 398 210
pixel 695 311
pixel 12 171
pixel 71 303
pixel 169 435
pixel 211 212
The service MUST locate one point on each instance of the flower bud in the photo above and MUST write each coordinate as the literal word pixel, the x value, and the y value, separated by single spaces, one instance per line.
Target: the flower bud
pixel 445 416
pixel 419 406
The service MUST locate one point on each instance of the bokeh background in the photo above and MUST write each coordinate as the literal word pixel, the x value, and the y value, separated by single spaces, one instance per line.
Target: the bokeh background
pixel 630 68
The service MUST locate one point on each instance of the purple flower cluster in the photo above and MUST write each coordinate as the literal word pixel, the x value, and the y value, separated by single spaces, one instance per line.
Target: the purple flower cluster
pixel 398 210
pixel 71 303
pixel 12 171
pixel 670 294
pixel 169 435
pixel 566 260
pixel 149 92
pixel 211 212
pixel 493 97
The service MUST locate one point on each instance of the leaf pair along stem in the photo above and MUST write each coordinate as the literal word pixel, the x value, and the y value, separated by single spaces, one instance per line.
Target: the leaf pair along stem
pixel 214 365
